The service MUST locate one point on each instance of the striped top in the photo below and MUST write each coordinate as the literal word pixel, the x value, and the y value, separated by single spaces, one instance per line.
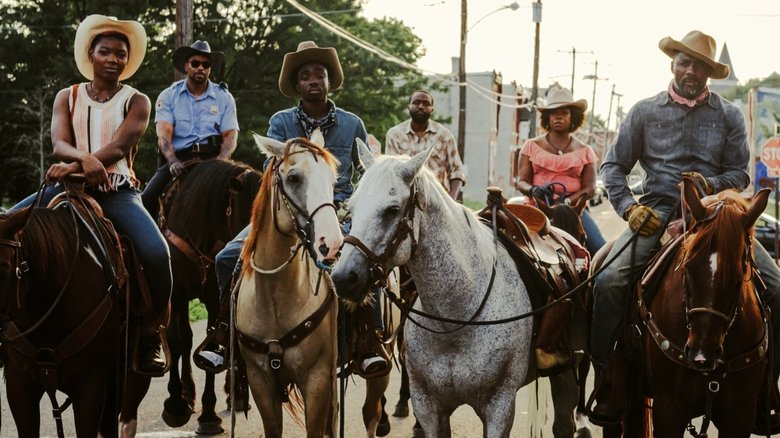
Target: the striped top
pixel 94 125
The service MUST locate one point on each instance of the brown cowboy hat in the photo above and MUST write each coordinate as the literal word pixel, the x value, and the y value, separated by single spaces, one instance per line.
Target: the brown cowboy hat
pixel 182 54
pixel 97 24
pixel 559 97
pixel 699 45
pixel 309 52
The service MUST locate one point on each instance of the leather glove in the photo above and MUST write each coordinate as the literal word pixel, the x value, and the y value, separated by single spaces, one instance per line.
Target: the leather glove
pixel 701 180
pixel 538 192
pixel 637 214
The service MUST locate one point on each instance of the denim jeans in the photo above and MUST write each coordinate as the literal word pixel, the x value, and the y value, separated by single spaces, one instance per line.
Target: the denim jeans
pixel 613 288
pixel 129 217
pixel 595 239
pixel 226 262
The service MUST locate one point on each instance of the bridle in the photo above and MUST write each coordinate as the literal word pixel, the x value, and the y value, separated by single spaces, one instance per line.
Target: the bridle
pixel 378 264
pixel 305 230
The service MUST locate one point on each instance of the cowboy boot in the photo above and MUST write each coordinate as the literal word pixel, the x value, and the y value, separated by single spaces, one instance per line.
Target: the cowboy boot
pixel 211 355
pixel 768 414
pixel 607 410
pixel 151 359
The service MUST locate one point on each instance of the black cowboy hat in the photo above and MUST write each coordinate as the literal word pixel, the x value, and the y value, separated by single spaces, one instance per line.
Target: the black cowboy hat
pixel 184 53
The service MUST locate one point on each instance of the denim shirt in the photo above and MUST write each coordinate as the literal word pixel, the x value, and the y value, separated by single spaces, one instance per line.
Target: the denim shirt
pixel 194 119
pixel 339 140
pixel 667 140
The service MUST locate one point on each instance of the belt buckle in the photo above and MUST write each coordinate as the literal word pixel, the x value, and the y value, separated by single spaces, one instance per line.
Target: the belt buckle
pixel 196 148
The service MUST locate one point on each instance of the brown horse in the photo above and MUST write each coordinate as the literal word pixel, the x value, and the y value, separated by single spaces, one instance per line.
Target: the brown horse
pixel 705 335
pixel 206 209
pixel 61 285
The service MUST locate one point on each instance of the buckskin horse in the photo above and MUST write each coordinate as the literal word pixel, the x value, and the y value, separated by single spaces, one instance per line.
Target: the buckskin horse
pixel 286 309
pixel 202 211
pixel 62 280
pixel 402 216
pixel 705 332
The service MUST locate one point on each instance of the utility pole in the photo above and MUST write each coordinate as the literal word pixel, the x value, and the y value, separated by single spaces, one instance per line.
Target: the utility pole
pixel 183 28
pixel 595 77
pixel 462 80
pixel 609 116
pixel 537 18
pixel 573 53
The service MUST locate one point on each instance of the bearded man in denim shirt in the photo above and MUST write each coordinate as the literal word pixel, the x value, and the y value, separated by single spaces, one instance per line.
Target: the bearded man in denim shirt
pixel 309 74
pixel 686 130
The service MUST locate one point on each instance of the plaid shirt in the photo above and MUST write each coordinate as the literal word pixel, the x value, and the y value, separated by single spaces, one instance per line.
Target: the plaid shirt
pixel 444 161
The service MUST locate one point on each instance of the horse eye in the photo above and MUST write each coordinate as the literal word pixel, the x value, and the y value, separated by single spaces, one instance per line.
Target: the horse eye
pixel 392 211
pixel 293 178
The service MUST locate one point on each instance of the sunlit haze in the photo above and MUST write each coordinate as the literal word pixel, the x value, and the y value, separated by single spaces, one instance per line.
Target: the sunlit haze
pixel 622 35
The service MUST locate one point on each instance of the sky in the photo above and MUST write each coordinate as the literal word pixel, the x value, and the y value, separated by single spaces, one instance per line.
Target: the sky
pixel 621 35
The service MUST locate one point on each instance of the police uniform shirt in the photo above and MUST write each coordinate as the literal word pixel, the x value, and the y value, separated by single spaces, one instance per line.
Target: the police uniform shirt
pixel 194 118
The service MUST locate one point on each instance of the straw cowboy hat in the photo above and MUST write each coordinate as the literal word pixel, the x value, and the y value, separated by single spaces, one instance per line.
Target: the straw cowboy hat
pixel 309 52
pixel 95 25
pixel 184 53
pixel 559 97
pixel 699 45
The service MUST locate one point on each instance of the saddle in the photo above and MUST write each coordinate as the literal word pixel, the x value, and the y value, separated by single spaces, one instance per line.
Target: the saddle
pixel 123 266
pixel 545 257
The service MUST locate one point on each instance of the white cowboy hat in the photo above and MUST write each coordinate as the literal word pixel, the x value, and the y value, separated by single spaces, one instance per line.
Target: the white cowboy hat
pixel 559 97
pixel 184 53
pixel 309 52
pixel 95 25
pixel 699 45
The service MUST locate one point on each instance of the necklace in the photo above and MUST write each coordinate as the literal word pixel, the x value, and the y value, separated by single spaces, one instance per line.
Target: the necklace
pixel 557 148
pixel 94 96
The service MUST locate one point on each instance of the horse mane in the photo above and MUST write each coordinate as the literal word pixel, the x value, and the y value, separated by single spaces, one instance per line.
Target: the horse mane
pixel 47 241
pixel 567 219
pixel 266 188
pixel 724 234
pixel 202 200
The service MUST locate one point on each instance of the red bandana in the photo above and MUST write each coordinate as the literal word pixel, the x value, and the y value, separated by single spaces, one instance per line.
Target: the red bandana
pixel 700 99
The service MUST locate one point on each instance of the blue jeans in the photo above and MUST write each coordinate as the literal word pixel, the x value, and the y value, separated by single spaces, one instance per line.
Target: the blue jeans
pixel 129 217
pixel 595 239
pixel 226 262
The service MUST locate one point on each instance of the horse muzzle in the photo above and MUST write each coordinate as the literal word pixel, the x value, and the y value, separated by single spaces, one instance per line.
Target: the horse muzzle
pixel 352 282
pixel 701 360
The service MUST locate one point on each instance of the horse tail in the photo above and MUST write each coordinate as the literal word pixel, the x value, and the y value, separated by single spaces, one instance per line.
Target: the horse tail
pixel 294 406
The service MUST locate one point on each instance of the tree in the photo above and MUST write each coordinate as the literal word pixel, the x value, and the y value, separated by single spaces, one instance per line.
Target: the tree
pixel 253 34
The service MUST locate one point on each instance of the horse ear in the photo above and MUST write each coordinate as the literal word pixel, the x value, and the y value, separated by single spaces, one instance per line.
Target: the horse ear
pixel 579 207
pixel 691 198
pixel 269 146
pixel 757 206
pixel 317 138
pixel 411 168
pixel 365 155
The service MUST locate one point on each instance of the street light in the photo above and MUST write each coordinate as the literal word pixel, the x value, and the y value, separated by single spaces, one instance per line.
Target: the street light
pixel 464 30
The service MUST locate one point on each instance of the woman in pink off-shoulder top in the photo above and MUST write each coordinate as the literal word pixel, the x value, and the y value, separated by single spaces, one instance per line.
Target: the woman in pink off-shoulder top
pixel 558 157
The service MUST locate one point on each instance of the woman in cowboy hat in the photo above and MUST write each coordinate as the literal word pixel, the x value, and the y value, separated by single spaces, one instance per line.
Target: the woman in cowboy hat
pixel 95 130
pixel 559 157
pixel 685 130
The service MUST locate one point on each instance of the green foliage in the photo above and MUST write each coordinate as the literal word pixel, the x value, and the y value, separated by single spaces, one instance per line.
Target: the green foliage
pixel 253 34
pixel 197 311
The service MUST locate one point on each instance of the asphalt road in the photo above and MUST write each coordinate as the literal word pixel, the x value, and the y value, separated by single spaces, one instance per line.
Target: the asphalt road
pixel 464 421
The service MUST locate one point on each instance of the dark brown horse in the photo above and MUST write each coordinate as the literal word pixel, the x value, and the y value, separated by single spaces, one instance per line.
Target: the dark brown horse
pixel 61 285
pixel 212 203
pixel 705 335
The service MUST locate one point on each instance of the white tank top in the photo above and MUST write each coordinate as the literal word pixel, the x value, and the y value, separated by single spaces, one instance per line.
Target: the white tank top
pixel 94 125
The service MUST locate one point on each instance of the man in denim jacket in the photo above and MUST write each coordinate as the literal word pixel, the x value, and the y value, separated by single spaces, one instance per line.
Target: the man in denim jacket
pixel 684 130
pixel 309 74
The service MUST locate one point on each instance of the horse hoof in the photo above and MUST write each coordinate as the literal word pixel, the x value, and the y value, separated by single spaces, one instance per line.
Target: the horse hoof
pixel 176 420
pixel 583 432
pixel 401 410
pixel 383 428
pixel 210 428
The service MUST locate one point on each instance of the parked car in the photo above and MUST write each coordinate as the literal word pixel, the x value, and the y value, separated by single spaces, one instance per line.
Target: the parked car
pixel 765 232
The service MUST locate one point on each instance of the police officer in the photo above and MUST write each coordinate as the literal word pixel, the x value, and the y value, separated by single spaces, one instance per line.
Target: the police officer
pixel 196 118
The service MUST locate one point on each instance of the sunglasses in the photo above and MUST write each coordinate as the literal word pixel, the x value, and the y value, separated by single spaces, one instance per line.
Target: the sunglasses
pixel 195 64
